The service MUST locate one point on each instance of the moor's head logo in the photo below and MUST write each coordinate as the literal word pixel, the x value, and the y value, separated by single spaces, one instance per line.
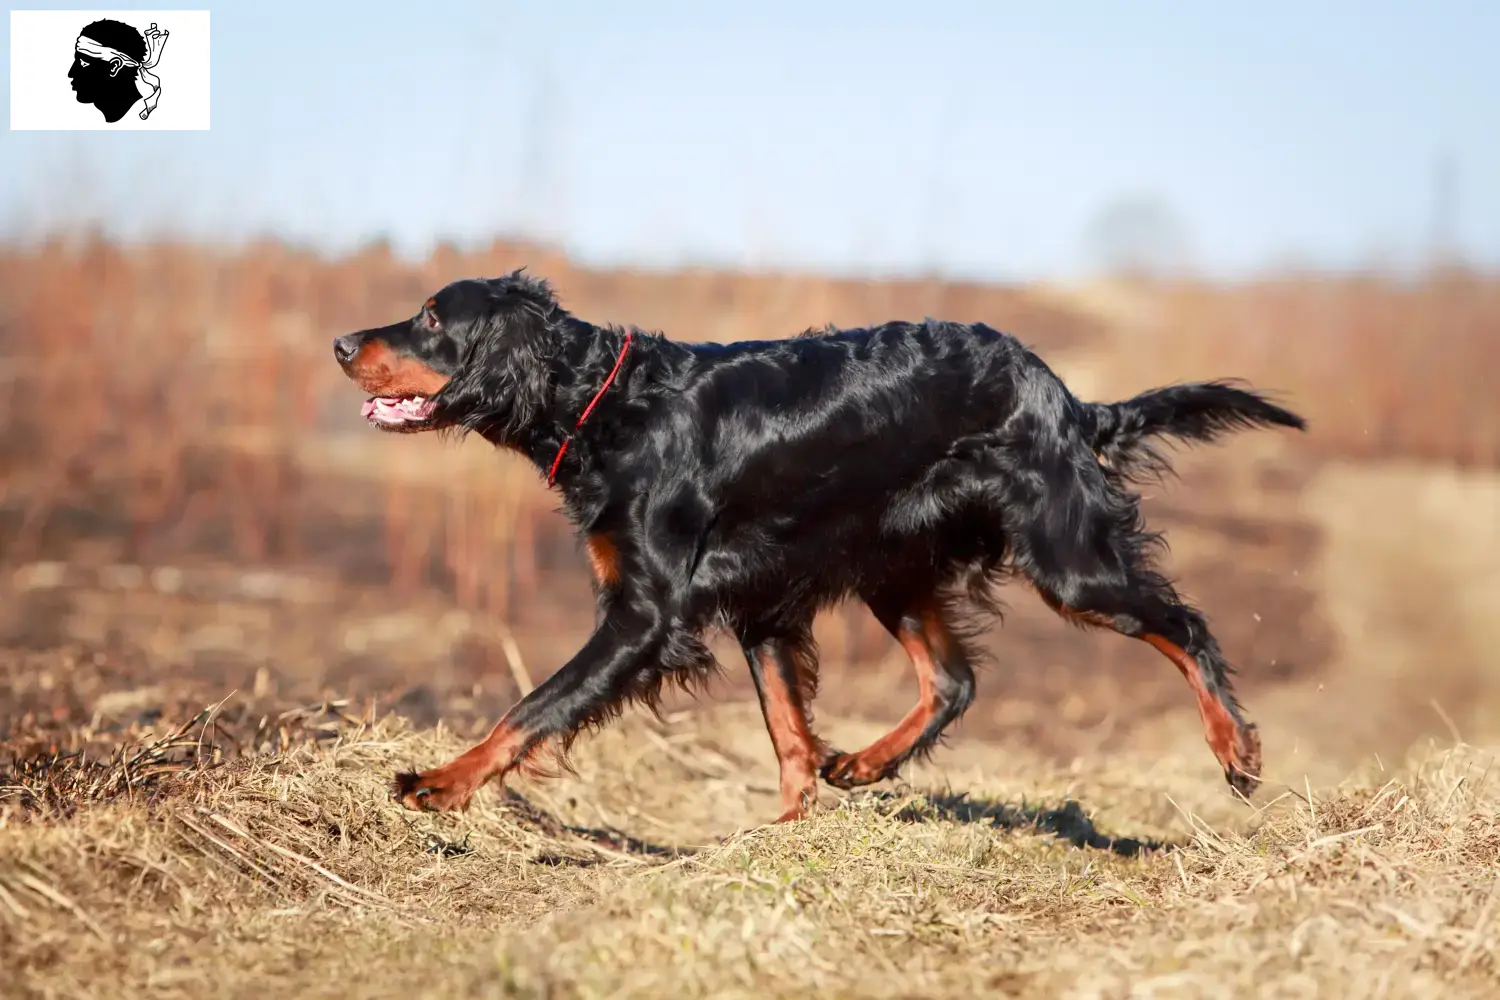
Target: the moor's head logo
pixel 112 64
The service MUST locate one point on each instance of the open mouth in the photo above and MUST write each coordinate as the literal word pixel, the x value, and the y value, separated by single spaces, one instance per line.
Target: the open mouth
pixel 407 413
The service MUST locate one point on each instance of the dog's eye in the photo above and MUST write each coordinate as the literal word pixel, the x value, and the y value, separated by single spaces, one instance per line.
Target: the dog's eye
pixel 430 320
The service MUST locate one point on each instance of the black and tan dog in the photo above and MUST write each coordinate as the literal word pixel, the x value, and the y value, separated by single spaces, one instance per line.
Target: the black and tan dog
pixel 748 486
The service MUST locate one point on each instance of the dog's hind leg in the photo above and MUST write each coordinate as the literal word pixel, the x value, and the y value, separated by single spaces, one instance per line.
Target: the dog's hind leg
pixel 785 671
pixel 1178 631
pixel 945 682
pixel 1082 544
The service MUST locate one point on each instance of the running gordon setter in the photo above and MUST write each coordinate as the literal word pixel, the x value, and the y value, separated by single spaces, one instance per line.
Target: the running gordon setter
pixel 747 486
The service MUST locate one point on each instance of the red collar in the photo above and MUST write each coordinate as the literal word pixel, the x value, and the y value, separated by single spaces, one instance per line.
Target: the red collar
pixel 552 472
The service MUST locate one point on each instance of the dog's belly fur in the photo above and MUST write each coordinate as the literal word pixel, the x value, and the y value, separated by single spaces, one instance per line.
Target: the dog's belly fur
pixel 818 552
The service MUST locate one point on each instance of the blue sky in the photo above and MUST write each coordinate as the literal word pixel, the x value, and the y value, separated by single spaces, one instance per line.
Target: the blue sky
pixel 975 139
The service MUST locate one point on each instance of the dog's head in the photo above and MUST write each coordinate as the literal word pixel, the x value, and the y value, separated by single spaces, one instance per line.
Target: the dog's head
pixel 476 356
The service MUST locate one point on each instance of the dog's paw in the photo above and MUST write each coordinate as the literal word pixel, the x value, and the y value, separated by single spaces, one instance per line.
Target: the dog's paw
pixel 442 789
pixel 1242 770
pixel 793 814
pixel 852 770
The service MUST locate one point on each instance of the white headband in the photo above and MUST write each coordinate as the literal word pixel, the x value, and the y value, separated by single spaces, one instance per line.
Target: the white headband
pixel 147 83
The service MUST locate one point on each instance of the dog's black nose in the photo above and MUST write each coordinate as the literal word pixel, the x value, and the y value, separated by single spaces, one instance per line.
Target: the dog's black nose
pixel 344 349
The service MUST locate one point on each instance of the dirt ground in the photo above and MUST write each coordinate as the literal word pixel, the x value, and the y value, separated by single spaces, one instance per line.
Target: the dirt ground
pixel 193 753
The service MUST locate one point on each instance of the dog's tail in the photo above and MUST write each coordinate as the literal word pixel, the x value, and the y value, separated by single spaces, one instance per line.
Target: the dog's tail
pixel 1195 412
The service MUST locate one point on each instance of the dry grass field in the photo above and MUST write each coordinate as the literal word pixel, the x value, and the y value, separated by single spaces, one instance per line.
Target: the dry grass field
pixel 228 612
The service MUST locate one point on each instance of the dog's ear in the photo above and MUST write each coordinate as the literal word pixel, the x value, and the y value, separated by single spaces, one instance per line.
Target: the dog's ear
pixel 505 378
pixel 522 318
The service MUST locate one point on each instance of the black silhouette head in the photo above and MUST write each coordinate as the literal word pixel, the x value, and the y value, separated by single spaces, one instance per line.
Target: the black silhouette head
pixel 100 76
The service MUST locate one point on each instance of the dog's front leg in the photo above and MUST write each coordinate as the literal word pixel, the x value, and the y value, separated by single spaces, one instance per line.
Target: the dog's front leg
pixel 600 676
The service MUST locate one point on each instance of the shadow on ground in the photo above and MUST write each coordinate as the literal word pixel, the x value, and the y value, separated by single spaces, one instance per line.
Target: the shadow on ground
pixel 1069 822
pixel 605 838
